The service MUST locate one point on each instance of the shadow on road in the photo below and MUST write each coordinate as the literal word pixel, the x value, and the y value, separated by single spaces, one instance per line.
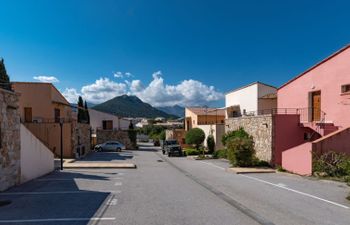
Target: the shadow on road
pixel 54 196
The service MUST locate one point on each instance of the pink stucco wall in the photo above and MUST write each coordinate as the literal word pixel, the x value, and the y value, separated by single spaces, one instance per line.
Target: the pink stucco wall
pixel 328 77
pixel 287 134
pixel 298 159
pixel 338 142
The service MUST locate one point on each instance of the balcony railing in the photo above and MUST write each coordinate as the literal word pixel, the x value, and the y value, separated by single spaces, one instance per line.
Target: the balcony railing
pixel 306 114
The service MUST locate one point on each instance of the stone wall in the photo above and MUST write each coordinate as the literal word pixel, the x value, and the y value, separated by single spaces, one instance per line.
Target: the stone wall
pixel 260 127
pixel 81 139
pixel 114 135
pixel 10 173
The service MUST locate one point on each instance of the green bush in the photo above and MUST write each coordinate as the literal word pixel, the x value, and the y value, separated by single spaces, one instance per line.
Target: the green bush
pixel 331 164
pixel 240 151
pixel 220 154
pixel 191 151
pixel 195 137
pixel 241 133
pixel 210 144
pixel 260 163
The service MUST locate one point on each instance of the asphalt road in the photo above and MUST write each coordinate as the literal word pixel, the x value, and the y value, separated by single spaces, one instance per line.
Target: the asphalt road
pixel 166 190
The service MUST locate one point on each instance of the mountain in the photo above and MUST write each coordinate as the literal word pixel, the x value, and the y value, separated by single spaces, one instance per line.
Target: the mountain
pixel 173 110
pixel 130 106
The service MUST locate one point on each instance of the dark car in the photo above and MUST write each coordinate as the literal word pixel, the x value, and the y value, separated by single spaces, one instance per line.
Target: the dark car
pixel 171 148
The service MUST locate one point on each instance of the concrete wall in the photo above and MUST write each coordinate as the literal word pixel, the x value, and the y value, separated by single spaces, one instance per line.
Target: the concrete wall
pixel 9 140
pixel 178 134
pixel 327 78
pixel 36 159
pixel 260 127
pixel 217 130
pixel 298 159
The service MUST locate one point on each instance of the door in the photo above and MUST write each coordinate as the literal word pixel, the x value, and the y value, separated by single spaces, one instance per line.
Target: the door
pixel 28 114
pixel 57 115
pixel 316 105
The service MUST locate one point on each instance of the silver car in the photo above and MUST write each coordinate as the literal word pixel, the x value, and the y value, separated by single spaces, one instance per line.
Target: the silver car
pixel 110 146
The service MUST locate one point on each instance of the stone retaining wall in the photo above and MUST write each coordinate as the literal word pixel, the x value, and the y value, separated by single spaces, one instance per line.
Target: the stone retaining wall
pixel 114 135
pixel 260 127
pixel 81 138
pixel 10 173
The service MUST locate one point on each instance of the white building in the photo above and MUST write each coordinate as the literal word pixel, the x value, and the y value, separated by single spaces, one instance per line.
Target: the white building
pixel 254 99
pixel 106 121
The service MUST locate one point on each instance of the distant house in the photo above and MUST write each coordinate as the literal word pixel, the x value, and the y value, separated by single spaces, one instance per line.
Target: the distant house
pixel 321 97
pixel 210 120
pixel 42 107
pixel 253 99
pixel 106 121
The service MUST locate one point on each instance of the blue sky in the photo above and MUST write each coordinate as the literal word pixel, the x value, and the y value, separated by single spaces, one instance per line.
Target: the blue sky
pixel 177 52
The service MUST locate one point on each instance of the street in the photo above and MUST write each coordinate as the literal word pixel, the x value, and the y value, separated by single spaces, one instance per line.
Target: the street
pixel 173 190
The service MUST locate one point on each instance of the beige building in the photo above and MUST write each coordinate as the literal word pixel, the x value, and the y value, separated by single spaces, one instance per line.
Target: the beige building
pixel 203 116
pixel 41 108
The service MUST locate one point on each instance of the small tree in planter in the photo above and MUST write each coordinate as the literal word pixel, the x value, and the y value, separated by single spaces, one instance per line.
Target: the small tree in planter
pixel 195 136
pixel 211 143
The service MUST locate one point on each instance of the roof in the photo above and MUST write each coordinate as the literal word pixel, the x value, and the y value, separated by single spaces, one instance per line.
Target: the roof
pixel 207 111
pixel 248 85
pixel 316 65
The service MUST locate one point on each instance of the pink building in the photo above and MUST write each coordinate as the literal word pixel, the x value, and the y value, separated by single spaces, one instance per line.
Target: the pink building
pixel 319 102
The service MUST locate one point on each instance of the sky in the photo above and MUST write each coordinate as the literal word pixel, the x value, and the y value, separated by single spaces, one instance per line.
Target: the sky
pixel 167 52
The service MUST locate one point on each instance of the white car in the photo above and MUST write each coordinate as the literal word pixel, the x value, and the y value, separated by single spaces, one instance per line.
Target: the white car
pixel 110 146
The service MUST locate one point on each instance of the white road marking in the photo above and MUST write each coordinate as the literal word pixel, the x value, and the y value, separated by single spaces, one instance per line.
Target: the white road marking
pixel 118 183
pixel 112 201
pixel 55 192
pixel 58 220
pixel 211 164
pixel 55 179
pixel 295 191
pixel 283 186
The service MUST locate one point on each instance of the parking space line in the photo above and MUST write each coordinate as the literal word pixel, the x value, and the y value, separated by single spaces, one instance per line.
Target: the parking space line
pixel 58 220
pixel 295 191
pixel 211 164
pixel 118 183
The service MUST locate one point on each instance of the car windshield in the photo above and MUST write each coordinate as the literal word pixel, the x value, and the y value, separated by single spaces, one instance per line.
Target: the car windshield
pixel 172 142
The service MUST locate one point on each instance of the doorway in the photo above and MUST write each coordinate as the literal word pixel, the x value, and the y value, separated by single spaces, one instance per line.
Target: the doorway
pixel 316 106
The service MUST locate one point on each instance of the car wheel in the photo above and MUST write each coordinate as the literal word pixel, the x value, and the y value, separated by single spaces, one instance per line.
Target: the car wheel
pixel 163 152
pixel 119 149
pixel 169 154
pixel 100 149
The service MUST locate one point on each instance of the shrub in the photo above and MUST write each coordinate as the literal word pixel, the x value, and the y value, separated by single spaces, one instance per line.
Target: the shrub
pixel 195 137
pixel 191 151
pixel 240 151
pixel 331 164
pixel 220 154
pixel 210 144
pixel 241 133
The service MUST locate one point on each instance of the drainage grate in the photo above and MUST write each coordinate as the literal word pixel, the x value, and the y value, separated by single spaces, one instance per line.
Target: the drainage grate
pixel 159 160
pixel 5 202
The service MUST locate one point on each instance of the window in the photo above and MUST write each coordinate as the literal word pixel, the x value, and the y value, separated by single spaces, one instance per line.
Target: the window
pixel 107 124
pixel 345 88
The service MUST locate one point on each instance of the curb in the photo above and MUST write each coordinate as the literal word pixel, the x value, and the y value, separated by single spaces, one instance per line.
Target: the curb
pixel 86 166
pixel 251 170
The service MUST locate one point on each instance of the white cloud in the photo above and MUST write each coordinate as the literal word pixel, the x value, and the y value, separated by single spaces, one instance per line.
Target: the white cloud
pixel 71 95
pixel 46 79
pixel 122 75
pixel 157 93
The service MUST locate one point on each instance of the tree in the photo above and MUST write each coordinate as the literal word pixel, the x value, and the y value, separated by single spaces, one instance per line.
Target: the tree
pixel 235 133
pixel 132 135
pixel 211 143
pixel 4 78
pixel 195 137
pixel 81 111
pixel 131 125
pixel 162 135
pixel 87 115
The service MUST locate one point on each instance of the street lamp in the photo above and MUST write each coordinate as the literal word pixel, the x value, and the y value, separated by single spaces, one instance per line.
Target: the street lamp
pixel 61 126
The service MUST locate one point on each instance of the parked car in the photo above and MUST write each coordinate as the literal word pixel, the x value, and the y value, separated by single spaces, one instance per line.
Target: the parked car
pixel 110 146
pixel 171 147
